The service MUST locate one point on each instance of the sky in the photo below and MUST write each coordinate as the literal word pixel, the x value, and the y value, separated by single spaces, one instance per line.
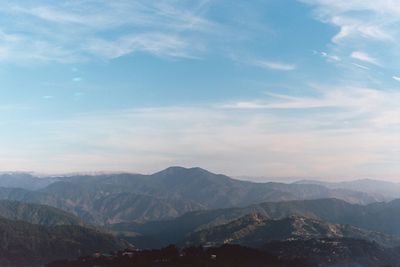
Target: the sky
pixel 273 88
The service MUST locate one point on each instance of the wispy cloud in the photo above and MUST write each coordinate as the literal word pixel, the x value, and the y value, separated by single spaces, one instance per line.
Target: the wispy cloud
pixel 356 18
pixel 364 57
pixel 274 65
pixel 80 30
pixel 353 98
pixel 397 78
pixel 154 43
pixel 360 66
pixel 329 57
pixel 350 28
pixel 362 26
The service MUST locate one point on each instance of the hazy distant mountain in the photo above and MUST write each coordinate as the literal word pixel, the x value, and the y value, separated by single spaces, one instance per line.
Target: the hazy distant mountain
pixel 255 230
pixel 25 244
pixel 384 189
pixel 24 180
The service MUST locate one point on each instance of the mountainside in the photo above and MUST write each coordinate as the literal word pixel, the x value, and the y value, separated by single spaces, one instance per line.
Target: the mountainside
pixel 25 244
pixel 381 217
pixel 37 214
pixel 112 203
pixel 255 230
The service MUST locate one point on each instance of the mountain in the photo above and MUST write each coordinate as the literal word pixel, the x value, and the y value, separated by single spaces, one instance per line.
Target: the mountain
pixel 220 191
pixel 24 180
pixel 24 244
pixel 104 202
pixel 37 214
pixel 384 189
pixel 380 217
pixel 255 230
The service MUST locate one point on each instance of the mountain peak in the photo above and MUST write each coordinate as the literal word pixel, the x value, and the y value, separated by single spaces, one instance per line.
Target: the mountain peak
pixel 179 169
pixel 183 172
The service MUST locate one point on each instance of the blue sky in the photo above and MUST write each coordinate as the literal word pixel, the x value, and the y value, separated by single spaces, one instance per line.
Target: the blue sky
pixel 275 88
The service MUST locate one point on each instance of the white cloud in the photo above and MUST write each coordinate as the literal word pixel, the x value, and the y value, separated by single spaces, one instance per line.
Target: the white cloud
pixel 397 78
pixel 274 65
pixel 364 57
pixel 362 25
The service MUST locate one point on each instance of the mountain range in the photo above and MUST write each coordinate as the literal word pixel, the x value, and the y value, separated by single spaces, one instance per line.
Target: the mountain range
pixel 115 198
pixel 59 217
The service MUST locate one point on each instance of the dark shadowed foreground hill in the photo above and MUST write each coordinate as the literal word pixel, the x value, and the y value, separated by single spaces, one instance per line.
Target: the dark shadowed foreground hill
pixel 24 244
pixel 336 252
pixel 225 256
pixel 327 252
pixel 115 198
